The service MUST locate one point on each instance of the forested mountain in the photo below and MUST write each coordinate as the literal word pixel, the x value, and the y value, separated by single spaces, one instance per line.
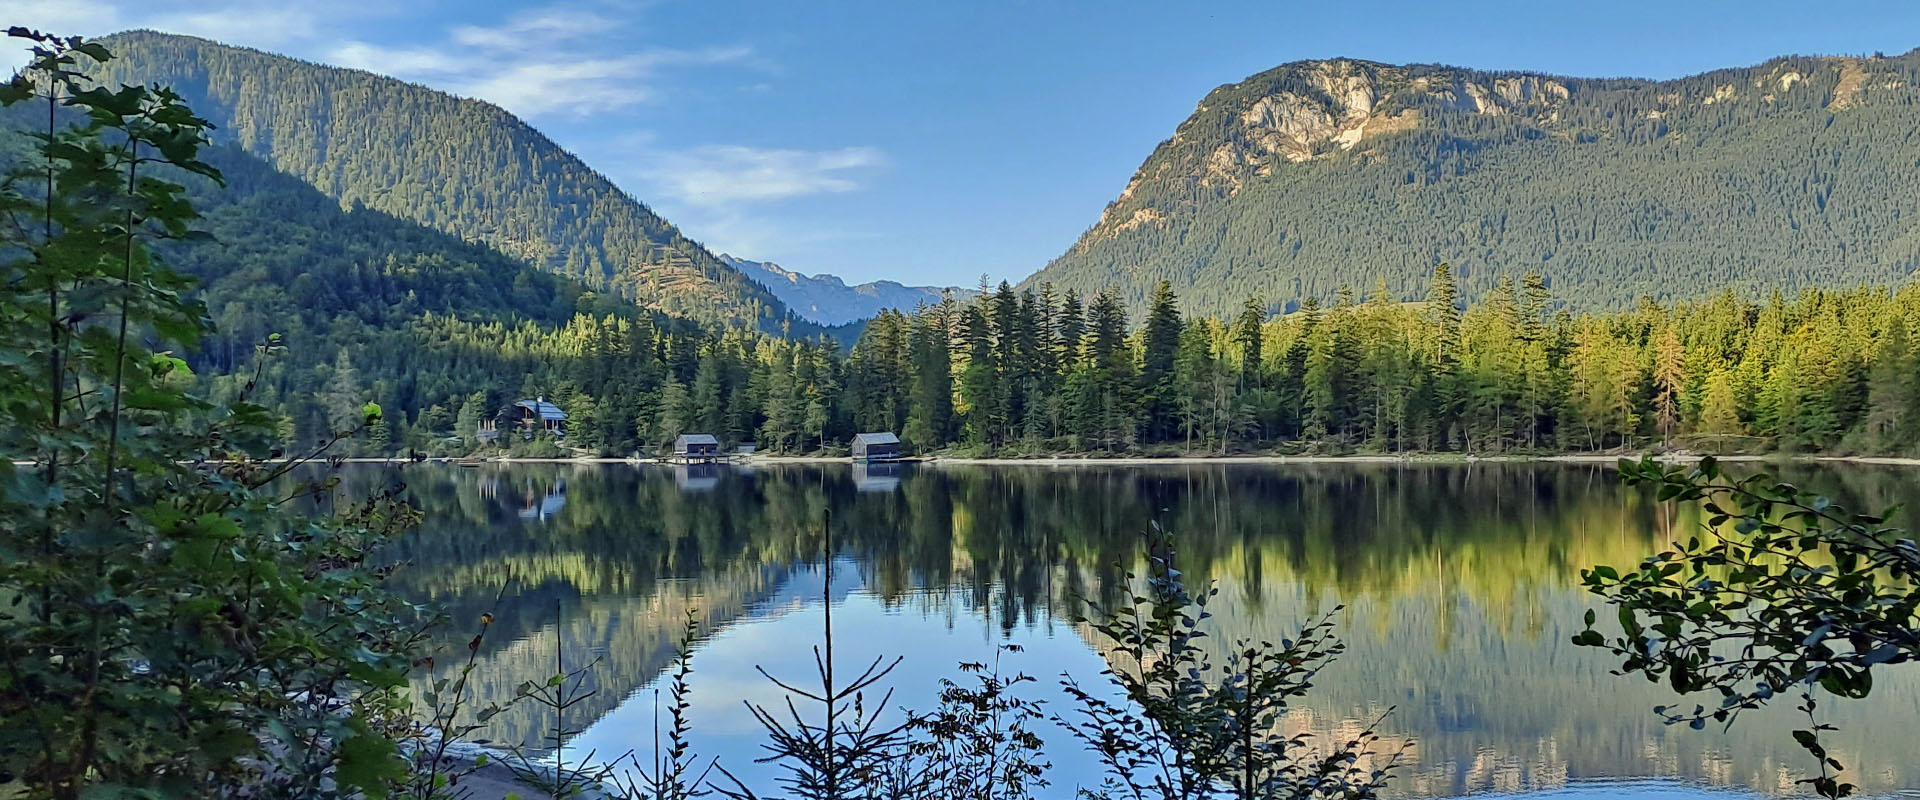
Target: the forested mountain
pixel 369 306
pixel 830 301
pixel 1321 174
pixel 441 330
pixel 463 167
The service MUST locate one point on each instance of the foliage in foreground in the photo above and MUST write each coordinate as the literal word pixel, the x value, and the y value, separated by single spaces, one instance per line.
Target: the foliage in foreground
pixel 1782 593
pixel 1190 728
pixel 1169 726
pixel 172 622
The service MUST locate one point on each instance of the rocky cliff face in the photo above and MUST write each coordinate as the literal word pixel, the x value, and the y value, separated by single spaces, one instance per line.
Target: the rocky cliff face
pixel 1322 108
pixel 1319 109
pixel 1281 179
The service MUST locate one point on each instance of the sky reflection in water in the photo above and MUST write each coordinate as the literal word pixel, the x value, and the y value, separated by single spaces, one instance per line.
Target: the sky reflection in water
pixel 1459 582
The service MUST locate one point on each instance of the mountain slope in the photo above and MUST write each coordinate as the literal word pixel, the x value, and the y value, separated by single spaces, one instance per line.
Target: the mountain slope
pixel 460 166
pixel 394 303
pixel 830 301
pixel 1319 174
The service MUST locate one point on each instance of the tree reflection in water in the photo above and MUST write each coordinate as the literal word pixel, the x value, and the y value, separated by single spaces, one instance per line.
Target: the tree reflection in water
pixel 1461 583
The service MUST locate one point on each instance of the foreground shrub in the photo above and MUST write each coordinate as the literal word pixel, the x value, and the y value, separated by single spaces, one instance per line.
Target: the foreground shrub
pixel 174 620
pixel 1781 593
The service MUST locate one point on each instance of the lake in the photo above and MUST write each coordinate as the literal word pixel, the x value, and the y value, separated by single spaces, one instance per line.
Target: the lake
pixel 1459 586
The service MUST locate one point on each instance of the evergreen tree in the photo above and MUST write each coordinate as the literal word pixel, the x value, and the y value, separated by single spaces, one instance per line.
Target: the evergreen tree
pixel 705 396
pixel 1101 400
pixel 1669 381
pixel 931 411
pixel 1159 347
pixel 1069 330
pixel 1247 331
pixel 343 397
pixel 1889 389
pixel 1441 340
pixel 980 384
pixel 467 422
pixel 670 420
pixel 1720 408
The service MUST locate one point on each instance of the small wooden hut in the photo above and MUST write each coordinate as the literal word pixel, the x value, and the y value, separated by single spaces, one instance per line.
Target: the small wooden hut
pixel 696 447
pixel 870 447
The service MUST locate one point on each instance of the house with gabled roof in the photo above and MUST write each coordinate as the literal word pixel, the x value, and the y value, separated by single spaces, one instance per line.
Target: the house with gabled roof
pixel 528 418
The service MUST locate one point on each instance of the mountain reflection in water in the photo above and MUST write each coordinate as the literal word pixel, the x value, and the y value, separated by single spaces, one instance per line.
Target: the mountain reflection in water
pixel 1460 583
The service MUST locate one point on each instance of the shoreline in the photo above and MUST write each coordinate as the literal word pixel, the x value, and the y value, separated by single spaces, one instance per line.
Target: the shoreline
pixel 1072 461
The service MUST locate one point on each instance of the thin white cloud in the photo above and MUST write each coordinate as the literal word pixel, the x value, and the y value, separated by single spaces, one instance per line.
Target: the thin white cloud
pixel 544 61
pixel 573 59
pixel 397 61
pixel 549 26
pixel 748 232
pixel 718 175
pixel 273 24
pixel 585 85
pixel 729 197
pixel 255 24
pixel 63 17
pixel 561 59
pixel 59 17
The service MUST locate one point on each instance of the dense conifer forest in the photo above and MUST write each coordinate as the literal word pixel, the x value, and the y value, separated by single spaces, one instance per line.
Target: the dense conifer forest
pixel 1795 173
pixel 1037 371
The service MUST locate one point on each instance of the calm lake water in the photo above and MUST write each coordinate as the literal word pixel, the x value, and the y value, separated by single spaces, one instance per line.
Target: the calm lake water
pixel 1459 584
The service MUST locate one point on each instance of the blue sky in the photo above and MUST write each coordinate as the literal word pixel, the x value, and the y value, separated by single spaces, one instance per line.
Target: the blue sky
pixel 935 142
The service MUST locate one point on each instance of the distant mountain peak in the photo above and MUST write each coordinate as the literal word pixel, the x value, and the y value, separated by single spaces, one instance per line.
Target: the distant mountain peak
pixel 828 300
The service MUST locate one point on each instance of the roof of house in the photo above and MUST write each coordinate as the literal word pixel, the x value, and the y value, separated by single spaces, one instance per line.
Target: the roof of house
pixel 696 438
pixel 876 438
pixel 546 410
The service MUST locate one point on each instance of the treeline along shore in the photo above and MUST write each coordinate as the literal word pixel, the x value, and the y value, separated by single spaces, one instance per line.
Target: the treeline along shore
pixel 1022 373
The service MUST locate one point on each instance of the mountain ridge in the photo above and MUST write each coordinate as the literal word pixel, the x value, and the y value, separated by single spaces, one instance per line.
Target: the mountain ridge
pixel 1317 174
pixel 829 300
pixel 357 136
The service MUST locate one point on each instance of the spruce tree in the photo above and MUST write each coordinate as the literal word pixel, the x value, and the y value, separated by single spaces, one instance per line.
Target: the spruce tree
pixel 1889 387
pixel 1669 379
pixel 1247 332
pixel 1160 346
pixel 1720 407
pixel 980 384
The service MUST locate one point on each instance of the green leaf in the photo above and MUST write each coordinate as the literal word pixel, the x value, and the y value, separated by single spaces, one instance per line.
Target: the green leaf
pixel 217 525
pixel 370 763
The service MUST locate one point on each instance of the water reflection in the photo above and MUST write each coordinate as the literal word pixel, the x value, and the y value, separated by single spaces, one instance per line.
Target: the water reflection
pixel 696 477
pixel 1459 582
pixel 883 476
